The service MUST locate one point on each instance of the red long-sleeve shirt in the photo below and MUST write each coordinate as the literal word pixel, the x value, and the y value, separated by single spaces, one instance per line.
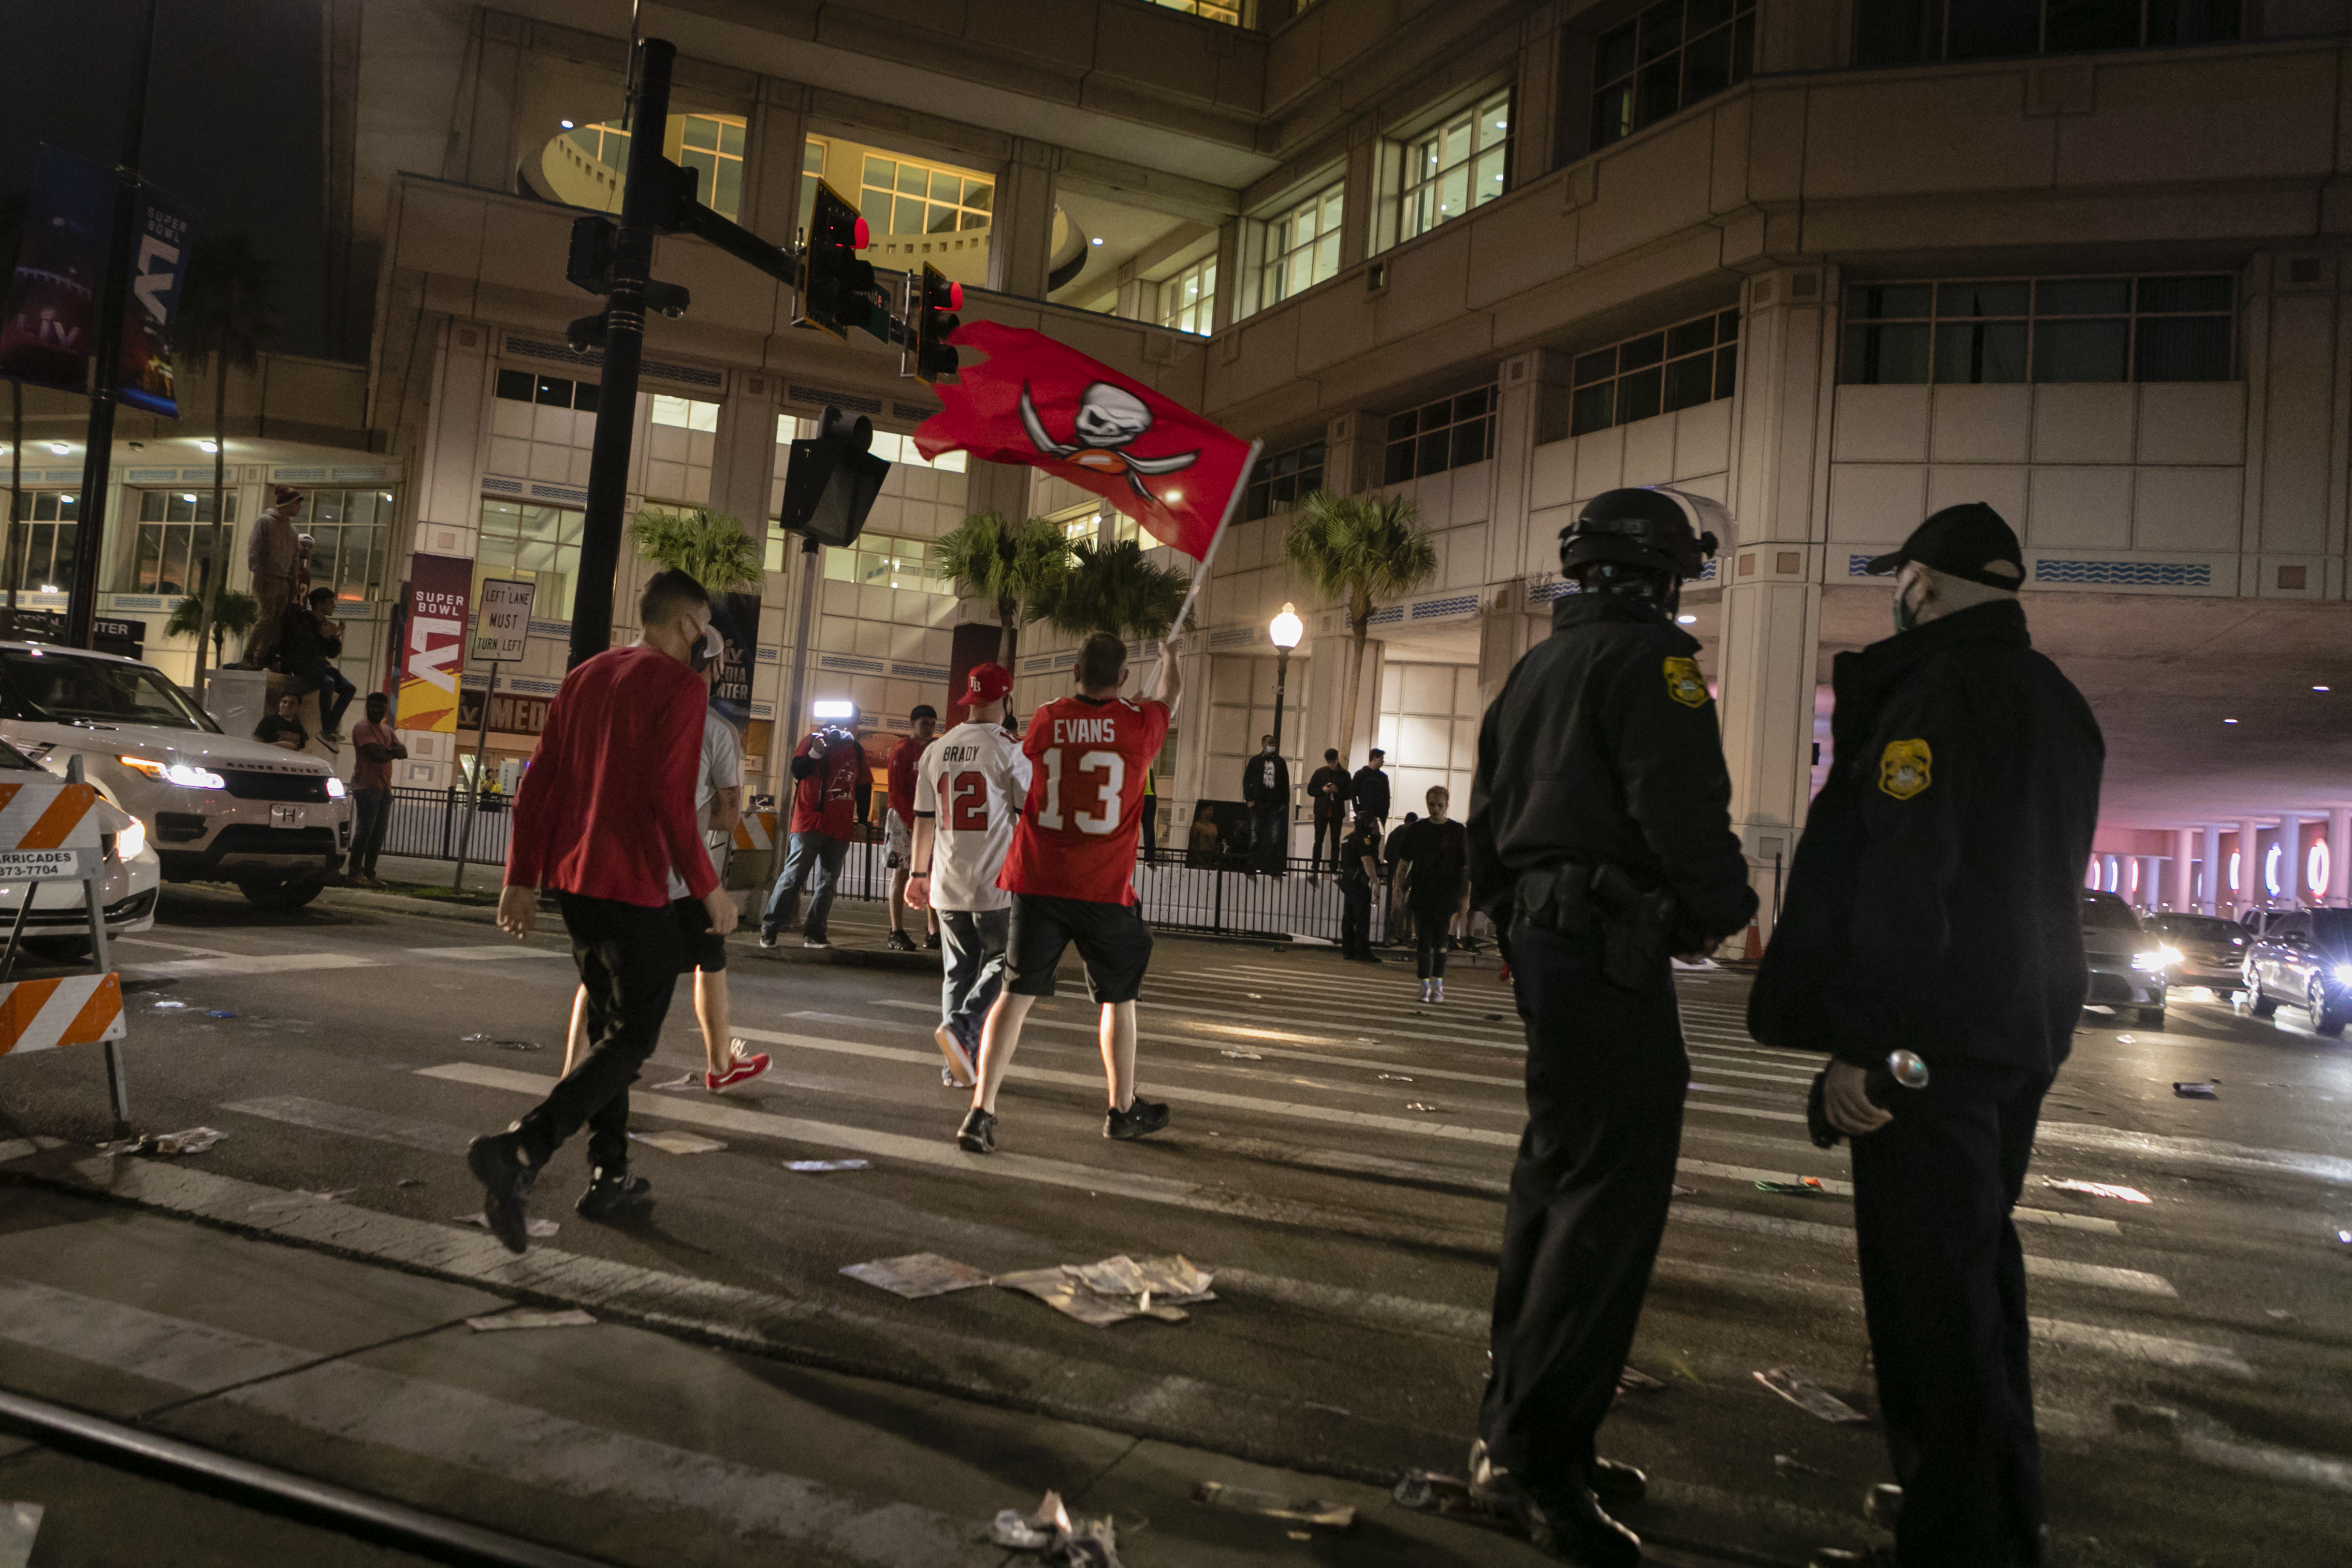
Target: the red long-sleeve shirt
pixel 606 807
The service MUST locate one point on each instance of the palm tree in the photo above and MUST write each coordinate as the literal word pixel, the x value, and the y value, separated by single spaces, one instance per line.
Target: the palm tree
pixel 1117 590
pixel 228 315
pixel 1356 552
pixel 1018 566
pixel 709 546
pixel 230 612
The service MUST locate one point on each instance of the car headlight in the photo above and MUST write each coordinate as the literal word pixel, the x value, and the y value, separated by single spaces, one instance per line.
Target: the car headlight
pixel 2153 959
pixel 335 787
pixel 132 842
pixel 2344 974
pixel 181 774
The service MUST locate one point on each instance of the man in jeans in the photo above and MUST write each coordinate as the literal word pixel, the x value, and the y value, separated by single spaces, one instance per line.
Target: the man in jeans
pixel 604 814
pixel 309 640
pixel 378 748
pixel 831 786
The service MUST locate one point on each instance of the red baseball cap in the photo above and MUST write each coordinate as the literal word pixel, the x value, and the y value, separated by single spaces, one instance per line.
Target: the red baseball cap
pixel 988 683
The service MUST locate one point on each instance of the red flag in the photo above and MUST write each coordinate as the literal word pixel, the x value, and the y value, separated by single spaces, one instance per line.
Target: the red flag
pixel 1036 402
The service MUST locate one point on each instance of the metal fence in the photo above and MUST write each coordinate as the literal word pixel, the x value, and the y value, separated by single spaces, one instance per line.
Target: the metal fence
pixel 426 823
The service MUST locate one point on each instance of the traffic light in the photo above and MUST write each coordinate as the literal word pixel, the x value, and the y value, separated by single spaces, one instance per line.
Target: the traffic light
pixel 831 479
pixel 934 320
pixel 836 288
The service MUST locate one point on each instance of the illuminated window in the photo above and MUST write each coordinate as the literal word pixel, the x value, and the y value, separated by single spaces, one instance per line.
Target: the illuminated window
pixel 1670 56
pixel 1689 363
pixel 1302 247
pixel 1229 12
pixel 173 552
pixel 1456 166
pixel 903 199
pixel 684 413
pixel 885 561
pixel 540 541
pixel 711 145
pixel 350 531
pixel 48 544
pixel 1188 300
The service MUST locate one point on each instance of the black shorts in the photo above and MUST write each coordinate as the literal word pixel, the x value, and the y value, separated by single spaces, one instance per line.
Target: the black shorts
pixel 705 949
pixel 1113 941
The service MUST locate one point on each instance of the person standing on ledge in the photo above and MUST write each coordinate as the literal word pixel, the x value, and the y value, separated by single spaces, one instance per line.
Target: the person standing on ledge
pixel 1328 790
pixel 1265 789
pixel 605 814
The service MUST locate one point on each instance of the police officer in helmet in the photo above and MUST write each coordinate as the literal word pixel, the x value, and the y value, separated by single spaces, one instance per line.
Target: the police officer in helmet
pixel 1600 839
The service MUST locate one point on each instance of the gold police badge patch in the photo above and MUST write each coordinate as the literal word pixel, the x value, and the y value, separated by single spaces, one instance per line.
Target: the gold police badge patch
pixel 1684 684
pixel 1903 768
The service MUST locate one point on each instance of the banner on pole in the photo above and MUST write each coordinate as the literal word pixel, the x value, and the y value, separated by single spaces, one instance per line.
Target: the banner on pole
pixel 434 652
pixel 159 234
pixel 48 327
pixel 737 616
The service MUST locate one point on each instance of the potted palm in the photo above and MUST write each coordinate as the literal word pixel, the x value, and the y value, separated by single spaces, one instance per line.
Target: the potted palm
pixel 231 613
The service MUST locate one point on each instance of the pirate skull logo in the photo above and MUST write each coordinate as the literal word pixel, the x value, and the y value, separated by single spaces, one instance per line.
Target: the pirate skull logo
pixel 1109 418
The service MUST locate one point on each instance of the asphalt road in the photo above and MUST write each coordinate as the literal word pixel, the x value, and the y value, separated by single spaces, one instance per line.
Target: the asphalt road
pixel 1337 1157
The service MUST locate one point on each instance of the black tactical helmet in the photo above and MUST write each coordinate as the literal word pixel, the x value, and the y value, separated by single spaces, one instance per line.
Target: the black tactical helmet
pixel 1651 529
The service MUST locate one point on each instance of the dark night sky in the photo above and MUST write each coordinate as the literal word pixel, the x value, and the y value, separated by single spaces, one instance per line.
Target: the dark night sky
pixel 233 118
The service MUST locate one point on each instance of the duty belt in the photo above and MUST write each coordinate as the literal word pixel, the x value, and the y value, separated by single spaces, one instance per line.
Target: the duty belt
pixel 1559 898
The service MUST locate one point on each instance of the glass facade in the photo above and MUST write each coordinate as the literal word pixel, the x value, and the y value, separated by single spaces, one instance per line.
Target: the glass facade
pixel 542 542
pixel 900 197
pixel 1447 434
pixel 1302 246
pixel 2161 328
pixel 1188 301
pixel 1688 363
pixel 1917 32
pixel 170 553
pixel 1672 54
pixel 887 562
pixel 1281 477
pixel 47 540
pixel 1457 166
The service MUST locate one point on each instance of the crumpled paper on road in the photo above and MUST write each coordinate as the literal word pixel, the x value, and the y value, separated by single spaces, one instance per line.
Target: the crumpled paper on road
pixel 1118 1289
pixel 678 1142
pixel 1808 1396
pixel 917 1274
pixel 1066 1542
pixel 1311 1512
pixel 194 1141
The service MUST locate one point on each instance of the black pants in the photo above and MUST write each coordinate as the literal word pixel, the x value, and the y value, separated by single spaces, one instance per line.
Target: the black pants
pixel 1326 827
pixel 1355 917
pixel 1151 826
pixel 1606 1072
pixel 628 958
pixel 1430 924
pixel 370 814
pixel 1268 851
pixel 1943 1287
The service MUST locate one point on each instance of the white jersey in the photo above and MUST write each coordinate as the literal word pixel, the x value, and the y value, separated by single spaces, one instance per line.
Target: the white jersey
pixel 971 781
pixel 722 768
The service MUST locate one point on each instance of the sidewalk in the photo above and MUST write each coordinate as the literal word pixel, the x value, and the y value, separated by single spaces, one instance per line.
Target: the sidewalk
pixel 617 1442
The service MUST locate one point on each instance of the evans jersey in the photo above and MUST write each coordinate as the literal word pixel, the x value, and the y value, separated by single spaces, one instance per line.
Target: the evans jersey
pixel 972 780
pixel 1077 834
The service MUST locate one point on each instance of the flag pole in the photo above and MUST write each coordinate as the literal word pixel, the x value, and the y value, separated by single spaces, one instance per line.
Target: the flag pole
pixel 1201 573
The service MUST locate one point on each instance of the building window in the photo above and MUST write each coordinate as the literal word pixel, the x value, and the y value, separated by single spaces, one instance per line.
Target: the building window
pixel 349 532
pixel 812 171
pixel 1278 480
pixel 173 552
pixel 48 539
pixel 541 542
pixel 554 391
pixel 711 145
pixel 2164 328
pixel 1188 300
pixel 1302 247
pixel 1670 56
pixel 1917 32
pixel 1689 363
pixel 684 413
pixel 1447 434
pixel 1229 12
pixel 903 199
pixel 1456 166
pixel 885 561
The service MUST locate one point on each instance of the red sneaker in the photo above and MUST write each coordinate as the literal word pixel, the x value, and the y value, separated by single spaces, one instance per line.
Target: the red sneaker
pixel 742 1070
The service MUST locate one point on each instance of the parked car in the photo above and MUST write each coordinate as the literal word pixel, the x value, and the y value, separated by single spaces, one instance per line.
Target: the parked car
pixel 2213 950
pixel 2127 963
pixel 2303 959
pixel 2258 921
pixel 222 808
pixel 129 878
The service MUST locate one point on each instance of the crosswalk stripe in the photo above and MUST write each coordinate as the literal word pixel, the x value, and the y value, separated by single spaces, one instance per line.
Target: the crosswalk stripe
pixel 377 1126
pixel 480 954
pixel 256 964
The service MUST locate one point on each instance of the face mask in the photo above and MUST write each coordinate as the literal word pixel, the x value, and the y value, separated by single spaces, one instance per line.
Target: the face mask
pixel 1907 617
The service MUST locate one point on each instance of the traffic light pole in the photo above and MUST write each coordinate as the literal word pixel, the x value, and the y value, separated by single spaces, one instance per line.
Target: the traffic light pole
pixel 623 343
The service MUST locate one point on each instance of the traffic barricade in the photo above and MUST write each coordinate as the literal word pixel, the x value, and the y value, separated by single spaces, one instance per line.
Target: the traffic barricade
pixel 55 830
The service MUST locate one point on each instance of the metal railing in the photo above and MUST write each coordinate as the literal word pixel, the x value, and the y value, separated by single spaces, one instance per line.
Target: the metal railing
pixel 425 823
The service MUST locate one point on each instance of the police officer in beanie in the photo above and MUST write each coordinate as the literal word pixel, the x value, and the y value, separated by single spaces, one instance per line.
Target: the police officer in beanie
pixel 1601 841
pixel 1936 906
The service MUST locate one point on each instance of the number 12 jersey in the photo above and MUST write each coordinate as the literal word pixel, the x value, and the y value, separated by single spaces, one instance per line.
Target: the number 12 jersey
pixel 972 780
pixel 1075 839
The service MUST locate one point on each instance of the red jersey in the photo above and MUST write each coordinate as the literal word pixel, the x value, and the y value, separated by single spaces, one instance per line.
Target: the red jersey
pixel 903 763
pixel 1075 839
pixel 826 801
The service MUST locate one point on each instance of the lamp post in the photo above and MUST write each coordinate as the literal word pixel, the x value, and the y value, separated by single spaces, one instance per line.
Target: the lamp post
pixel 1283 631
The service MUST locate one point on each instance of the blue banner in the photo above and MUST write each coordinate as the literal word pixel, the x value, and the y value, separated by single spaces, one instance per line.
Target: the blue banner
pixel 160 233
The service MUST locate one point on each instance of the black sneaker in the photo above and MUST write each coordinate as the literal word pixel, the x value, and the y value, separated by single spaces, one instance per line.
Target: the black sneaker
pixel 978 1133
pixel 496 1159
pixel 1139 1119
pixel 767 936
pixel 901 942
pixel 614 1195
pixel 931 943
pixel 1568 1525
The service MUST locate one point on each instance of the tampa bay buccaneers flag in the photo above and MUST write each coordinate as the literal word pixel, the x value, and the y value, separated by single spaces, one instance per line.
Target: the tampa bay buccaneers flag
pixel 1039 402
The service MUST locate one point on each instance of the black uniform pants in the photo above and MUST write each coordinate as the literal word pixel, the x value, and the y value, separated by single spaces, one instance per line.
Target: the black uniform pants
pixel 1943 1287
pixel 1606 1072
pixel 628 957
pixel 1355 917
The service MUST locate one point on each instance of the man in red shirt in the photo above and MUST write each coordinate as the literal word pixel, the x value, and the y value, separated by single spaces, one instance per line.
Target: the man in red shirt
pixel 604 814
pixel 898 828
pixel 830 788
pixel 1071 873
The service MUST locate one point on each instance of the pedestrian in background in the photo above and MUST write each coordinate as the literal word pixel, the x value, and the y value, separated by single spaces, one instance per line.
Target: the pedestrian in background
pixel 1369 789
pixel 375 748
pixel 272 554
pixel 970 786
pixel 1397 862
pixel 1328 790
pixel 309 641
pixel 1266 790
pixel 832 789
pixel 1945 847
pixel 898 826
pixel 605 814
pixel 1601 835
pixel 1434 883
pixel 1071 872
pixel 283 727
pixel 1358 857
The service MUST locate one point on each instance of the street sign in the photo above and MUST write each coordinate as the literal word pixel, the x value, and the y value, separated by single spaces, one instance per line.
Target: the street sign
pixel 505 619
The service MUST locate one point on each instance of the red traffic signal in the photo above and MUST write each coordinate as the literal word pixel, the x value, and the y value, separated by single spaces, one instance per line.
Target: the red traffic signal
pixel 861 237
pixel 934 321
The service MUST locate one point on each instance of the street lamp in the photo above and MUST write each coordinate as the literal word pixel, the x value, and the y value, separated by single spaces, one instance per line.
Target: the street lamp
pixel 1283 631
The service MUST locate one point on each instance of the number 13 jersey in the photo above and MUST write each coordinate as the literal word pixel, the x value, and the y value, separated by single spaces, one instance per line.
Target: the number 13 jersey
pixel 971 781
pixel 1075 839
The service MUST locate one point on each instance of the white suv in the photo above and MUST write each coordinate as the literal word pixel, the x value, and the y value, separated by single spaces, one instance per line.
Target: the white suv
pixel 217 807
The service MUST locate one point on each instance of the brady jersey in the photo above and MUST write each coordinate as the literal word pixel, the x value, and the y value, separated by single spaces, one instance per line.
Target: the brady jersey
pixel 1077 834
pixel 971 781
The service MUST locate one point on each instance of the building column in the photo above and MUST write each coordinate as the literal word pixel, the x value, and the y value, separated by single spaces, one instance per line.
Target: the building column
pixel 2339 856
pixel 1021 238
pixel 2251 894
pixel 1772 569
pixel 2108 872
pixel 1353 451
pixel 2151 882
pixel 2290 840
pixel 2184 871
pixel 1518 398
pixel 743 451
pixel 771 175
pixel 2213 895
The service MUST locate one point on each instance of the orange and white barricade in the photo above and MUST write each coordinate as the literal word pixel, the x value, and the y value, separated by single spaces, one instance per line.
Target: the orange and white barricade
pixel 73 1010
pixel 53 830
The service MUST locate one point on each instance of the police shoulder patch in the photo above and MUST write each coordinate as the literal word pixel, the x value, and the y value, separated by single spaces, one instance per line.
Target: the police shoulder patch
pixel 1684 682
pixel 1904 768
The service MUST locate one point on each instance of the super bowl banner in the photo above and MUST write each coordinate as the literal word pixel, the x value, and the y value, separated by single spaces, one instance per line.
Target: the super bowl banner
pixel 48 322
pixel 737 616
pixel 434 652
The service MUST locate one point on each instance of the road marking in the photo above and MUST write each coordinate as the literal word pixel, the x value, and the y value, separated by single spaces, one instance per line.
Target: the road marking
pixel 377 1126
pixel 479 954
pixel 138 1343
pixel 2099 1275
pixel 2154 1348
pixel 258 964
pixel 1836 1188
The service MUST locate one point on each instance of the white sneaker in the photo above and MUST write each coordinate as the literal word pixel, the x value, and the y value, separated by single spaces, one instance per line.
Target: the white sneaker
pixel 1425 991
pixel 1437 991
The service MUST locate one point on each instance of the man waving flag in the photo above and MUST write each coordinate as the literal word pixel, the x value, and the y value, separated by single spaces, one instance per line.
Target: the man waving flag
pixel 1037 402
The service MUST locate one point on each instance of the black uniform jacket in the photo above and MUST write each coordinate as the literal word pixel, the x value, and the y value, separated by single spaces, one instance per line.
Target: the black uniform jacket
pixel 1936 901
pixel 1255 790
pixel 1603 747
pixel 1372 792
